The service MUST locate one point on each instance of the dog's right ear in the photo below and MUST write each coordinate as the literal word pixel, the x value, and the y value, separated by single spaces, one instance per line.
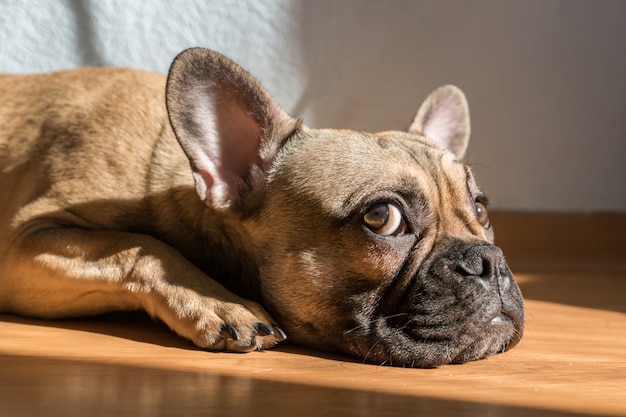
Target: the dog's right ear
pixel 444 118
pixel 222 118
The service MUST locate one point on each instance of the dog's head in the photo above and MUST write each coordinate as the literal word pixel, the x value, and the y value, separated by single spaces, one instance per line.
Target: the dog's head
pixel 378 245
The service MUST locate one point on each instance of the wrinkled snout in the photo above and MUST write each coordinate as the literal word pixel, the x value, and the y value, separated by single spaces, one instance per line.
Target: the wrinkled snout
pixel 485 285
pixel 463 305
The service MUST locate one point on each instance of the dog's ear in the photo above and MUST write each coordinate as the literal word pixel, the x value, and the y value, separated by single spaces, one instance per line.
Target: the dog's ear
pixel 444 118
pixel 223 119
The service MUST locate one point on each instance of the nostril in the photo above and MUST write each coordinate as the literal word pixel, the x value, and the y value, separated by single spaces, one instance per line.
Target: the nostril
pixel 490 268
pixel 482 261
pixel 472 264
pixel 478 265
pixel 487 268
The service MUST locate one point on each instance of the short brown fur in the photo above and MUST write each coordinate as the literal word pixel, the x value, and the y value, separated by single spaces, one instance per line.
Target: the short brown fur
pixel 237 225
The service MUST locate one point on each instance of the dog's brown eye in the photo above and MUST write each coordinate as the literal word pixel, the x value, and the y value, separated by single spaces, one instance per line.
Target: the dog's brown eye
pixel 385 219
pixel 482 215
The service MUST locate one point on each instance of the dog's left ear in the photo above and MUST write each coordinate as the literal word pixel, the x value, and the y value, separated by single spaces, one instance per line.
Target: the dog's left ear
pixel 223 119
pixel 444 118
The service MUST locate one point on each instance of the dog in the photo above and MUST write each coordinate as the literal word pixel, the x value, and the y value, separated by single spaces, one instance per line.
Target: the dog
pixel 199 200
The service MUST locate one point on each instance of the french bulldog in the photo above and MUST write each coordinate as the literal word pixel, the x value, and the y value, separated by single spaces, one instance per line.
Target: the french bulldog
pixel 199 200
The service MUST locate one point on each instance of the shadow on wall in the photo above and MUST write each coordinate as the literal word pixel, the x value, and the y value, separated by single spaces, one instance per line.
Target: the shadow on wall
pixel 363 75
pixel 90 54
pixel 529 70
pixel 347 54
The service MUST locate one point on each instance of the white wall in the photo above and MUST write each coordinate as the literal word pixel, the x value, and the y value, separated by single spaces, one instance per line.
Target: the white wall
pixel 546 79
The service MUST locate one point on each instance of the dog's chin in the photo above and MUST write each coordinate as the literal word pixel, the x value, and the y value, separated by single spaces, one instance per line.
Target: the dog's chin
pixel 409 347
pixel 499 336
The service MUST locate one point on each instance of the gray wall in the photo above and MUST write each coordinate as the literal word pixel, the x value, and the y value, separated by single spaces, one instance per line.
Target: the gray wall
pixel 545 79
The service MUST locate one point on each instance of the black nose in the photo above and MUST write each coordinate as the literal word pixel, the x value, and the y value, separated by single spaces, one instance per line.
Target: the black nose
pixel 485 261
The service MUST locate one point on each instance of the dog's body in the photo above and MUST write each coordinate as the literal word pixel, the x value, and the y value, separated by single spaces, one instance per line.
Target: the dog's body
pixel 373 244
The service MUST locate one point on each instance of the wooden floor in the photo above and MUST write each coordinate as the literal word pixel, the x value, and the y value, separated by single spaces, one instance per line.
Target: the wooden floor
pixel 571 361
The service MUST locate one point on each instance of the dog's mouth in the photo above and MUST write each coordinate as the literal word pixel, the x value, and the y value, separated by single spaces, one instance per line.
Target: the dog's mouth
pixel 500 335
pixel 412 345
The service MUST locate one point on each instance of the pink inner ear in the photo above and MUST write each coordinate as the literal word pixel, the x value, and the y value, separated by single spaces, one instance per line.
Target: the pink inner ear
pixel 444 118
pixel 231 147
pixel 442 123
pixel 219 113
pixel 239 140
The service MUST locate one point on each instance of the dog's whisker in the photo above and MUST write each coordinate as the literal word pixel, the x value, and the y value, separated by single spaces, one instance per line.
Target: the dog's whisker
pixel 365 325
pixel 371 349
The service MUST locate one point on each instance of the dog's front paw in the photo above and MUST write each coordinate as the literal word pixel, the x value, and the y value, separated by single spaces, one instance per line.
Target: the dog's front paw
pixel 243 328
pixel 236 325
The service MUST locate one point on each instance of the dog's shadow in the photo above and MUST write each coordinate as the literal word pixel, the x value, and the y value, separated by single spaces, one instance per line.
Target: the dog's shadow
pixel 138 326
pixel 135 325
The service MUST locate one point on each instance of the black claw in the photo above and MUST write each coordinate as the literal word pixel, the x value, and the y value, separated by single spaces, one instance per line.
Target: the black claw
pixel 280 335
pixel 228 331
pixel 263 329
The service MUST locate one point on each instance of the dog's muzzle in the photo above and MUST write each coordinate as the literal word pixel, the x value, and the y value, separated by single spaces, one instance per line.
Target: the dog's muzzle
pixel 485 264
pixel 463 304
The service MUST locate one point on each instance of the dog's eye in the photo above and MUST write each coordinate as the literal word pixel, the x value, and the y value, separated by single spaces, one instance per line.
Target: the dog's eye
pixel 385 219
pixel 482 215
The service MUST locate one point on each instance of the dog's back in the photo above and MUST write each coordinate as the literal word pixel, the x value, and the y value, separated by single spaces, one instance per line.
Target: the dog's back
pixel 50 122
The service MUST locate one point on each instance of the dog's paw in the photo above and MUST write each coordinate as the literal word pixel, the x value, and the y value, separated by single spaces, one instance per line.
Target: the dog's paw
pixel 243 328
pixel 237 325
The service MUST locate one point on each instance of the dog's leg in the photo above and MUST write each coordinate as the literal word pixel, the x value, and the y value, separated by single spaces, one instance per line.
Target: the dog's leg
pixel 60 272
